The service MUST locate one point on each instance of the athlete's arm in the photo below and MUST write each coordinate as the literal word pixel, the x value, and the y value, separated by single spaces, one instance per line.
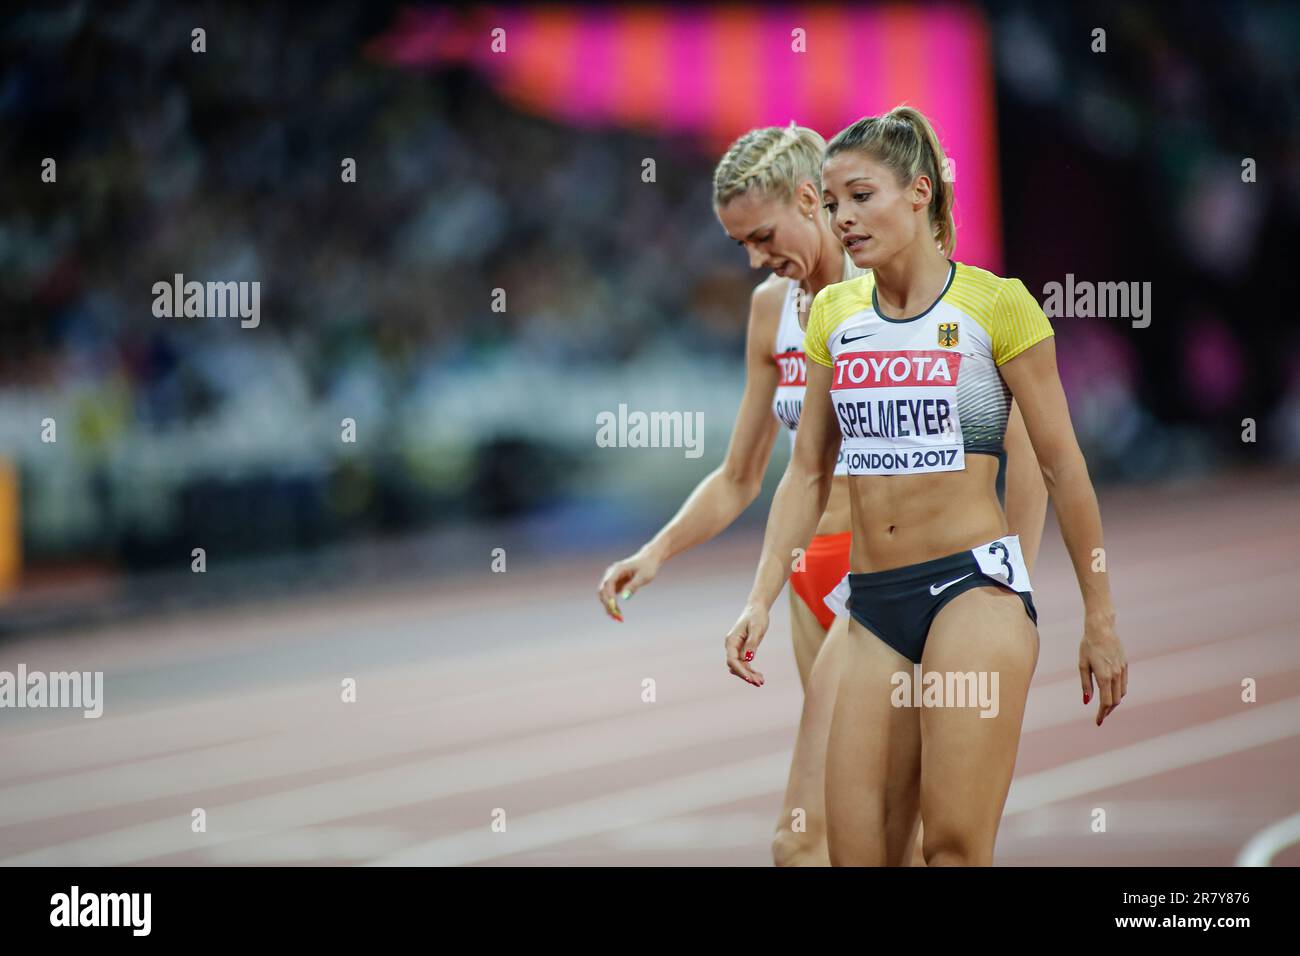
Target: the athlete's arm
pixel 797 506
pixel 1034 381
pixel 730 488
pixel 1026 493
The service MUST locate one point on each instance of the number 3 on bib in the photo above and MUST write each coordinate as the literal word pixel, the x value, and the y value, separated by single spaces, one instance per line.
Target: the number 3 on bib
pixel 1002 561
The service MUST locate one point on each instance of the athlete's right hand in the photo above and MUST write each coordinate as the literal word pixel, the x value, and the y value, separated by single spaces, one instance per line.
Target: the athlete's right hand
pixel 623 579
pixel 742 643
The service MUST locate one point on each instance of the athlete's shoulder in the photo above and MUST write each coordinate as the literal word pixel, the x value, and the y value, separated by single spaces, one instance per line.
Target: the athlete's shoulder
pixel 1003 306
pixel 839 300
pixel 831 306
pixel 769 296
pixel 974 275
pixel 765 305
pixel 985 293
pixel 975 291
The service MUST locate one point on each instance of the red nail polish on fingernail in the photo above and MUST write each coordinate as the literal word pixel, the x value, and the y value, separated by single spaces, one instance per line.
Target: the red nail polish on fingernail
pixel 1086 698
pixel 749 655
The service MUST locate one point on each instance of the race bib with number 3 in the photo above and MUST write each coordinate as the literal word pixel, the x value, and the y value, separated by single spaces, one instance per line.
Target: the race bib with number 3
pixel 1002 561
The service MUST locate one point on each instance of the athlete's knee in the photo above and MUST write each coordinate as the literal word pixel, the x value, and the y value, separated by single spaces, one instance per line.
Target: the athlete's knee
pixel 945 847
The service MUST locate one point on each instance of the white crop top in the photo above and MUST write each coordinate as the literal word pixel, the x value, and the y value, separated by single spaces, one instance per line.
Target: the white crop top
pixel 787 352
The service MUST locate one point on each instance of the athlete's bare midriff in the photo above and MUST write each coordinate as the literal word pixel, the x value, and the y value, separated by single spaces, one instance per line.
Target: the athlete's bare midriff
pixel 899 520
pixel 837 518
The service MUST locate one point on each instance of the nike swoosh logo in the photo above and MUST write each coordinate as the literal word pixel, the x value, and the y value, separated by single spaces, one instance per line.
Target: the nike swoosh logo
pixel 845 340
pixel 936 590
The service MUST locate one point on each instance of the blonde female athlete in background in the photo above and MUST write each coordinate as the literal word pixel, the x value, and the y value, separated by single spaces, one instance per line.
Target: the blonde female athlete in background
pixel 911 372
pixel 767 197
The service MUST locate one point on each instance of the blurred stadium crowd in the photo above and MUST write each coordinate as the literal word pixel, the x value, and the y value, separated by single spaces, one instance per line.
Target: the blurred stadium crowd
pixel 376 296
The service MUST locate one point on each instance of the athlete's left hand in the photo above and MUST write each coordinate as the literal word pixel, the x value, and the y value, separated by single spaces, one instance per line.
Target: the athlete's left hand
pixel 1102 656
pixel 627 576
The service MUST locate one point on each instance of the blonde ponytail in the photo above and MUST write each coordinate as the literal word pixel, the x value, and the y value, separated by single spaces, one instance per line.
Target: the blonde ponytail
pixel 904 141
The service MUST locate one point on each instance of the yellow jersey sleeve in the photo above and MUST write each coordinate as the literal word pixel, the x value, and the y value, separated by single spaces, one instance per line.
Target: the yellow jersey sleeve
pixel 817 333
pixel 1018 321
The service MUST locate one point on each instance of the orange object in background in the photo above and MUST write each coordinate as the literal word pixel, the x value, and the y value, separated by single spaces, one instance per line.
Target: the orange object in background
pixel 11 558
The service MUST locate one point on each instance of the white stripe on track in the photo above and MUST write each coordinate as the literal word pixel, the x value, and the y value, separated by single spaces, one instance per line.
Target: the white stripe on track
pixel 485 768
pixel 457 701
pixel 1162 678
pixel 520 760
pixel 612 811
pixel 700 791
pixel 1264 845
pixel 1170 675
pixel 1255 727
pixel 489 722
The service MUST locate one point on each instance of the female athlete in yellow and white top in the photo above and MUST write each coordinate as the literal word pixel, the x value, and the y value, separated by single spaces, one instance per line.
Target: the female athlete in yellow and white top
pixel 767 196
pixel 912 369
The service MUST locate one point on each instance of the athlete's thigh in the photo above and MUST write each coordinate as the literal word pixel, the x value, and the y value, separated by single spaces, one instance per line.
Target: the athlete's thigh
pixel 808 768
pixel 983 639
pixel 872 758
pixel 806 634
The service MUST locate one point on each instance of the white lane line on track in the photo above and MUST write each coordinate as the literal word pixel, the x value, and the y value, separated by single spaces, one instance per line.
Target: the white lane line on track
pixel 637 804
pixel 512 763
pixel 160 733
pixel 662 641
pixel 613 811
pixel 1267 843
pixel 428 693
pixel 1170 675
pixel 1200 605
pixel 696 832
pixel 591 732
pixel 1255 727
pixel 757 777
pixel 309 845
pixel 1167 677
